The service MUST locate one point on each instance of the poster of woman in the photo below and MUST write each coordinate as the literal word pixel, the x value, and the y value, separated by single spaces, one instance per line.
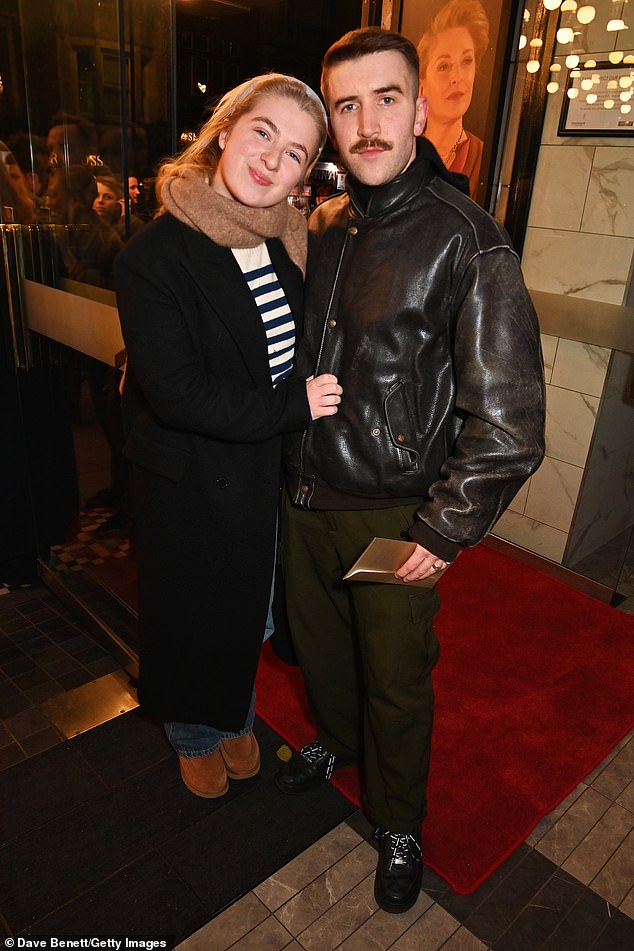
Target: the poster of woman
pixel 462 47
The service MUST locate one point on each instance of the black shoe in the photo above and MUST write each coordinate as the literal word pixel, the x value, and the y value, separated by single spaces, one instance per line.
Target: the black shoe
pixel 399 872
pixel 311 767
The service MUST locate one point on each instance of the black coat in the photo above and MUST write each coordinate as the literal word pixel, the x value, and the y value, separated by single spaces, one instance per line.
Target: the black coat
pixel 204 429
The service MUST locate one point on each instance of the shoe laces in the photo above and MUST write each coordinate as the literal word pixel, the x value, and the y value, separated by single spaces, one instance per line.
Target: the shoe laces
pixel 314 751
pixel 402 847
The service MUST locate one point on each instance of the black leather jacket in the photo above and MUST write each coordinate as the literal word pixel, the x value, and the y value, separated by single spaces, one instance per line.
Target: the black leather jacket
pixel 418 305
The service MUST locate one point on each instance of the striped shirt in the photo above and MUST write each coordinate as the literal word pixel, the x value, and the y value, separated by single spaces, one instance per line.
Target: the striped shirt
pixel 269 296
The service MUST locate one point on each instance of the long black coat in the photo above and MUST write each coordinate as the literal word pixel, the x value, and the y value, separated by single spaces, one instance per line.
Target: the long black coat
pixel 204 429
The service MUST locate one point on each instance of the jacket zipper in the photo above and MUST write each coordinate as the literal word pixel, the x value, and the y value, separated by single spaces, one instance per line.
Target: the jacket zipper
pixel 321 343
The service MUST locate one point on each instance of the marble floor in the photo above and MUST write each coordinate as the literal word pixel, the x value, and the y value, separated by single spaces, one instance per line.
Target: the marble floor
pixel 570 887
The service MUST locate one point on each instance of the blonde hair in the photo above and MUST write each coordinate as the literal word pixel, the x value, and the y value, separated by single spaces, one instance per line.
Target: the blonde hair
pixel 467 13
pixel 204 154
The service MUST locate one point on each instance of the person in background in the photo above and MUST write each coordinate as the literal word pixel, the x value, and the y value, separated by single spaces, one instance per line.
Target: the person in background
pixel 87 243
pixel 32 155
pixel 71 140
pixel 109 205
pixel 450 53
pixel 16 201
pixel 210 300
pixel 415 301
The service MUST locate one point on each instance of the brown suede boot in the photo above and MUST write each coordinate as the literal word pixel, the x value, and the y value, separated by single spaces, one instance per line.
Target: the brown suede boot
pixel 241 756
pixel 205 776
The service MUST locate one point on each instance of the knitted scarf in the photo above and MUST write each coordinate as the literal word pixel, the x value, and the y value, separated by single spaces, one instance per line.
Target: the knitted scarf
pixel 192 199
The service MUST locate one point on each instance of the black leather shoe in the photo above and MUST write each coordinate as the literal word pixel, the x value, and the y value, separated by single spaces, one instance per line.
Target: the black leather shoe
pixel 399 872
pixel 311 767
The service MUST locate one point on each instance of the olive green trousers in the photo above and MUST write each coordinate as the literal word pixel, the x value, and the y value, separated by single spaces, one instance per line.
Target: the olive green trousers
pixel 367 652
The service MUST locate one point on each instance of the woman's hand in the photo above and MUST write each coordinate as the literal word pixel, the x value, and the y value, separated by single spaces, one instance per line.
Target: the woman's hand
pixel 324 395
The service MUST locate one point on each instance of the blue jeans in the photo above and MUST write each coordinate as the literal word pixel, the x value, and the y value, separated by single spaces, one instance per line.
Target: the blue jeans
pixel 200 739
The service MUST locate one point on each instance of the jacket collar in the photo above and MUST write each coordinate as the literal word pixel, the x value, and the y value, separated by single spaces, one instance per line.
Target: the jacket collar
pixel 374 201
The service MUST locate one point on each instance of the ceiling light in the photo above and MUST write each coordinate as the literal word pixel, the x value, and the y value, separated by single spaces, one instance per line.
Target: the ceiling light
pixel 586 14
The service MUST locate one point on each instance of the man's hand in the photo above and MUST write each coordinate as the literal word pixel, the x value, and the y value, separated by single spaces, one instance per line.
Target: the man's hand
pixel 421 564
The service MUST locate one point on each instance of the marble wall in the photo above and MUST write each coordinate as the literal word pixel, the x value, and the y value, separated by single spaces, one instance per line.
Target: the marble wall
pixel 580 243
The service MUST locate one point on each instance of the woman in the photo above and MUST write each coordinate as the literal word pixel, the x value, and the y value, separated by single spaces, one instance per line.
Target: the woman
pixel 209 296
pixel 109 205
pixel 450 52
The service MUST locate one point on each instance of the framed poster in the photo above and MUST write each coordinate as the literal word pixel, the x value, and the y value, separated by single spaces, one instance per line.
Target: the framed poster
pixel 464 47
pixel 599 101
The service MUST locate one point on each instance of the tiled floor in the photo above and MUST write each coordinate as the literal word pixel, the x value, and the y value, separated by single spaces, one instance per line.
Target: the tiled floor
pixel 43 653
pixel 569 887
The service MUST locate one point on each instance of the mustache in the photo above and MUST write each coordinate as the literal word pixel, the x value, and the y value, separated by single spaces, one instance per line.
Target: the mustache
pixel 364 144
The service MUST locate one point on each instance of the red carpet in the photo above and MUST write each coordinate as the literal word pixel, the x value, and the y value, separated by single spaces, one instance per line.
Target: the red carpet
pixel 535 685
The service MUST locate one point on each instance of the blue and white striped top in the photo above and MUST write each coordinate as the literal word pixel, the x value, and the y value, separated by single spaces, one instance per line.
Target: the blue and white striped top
pixel 256 265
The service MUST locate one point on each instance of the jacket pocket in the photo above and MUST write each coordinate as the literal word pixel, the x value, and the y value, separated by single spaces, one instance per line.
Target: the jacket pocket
pixel 402 422
pixel 163 459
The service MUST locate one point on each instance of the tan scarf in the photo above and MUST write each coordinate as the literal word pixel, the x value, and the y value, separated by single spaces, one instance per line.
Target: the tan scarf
pixel 191 198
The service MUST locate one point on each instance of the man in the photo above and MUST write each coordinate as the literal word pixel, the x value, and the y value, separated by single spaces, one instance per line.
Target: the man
pixel 415 300
pixel 71 140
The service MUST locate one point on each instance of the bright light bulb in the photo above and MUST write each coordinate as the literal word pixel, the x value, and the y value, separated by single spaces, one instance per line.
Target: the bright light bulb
pixel 615 25
pixel 629 59
pixel 586 14
pixel 590 63
pixel 555 68
pixel 586 84
pixel 552 4
pixel 572 93
pixel 572 61
pixel 569 6
pixel 608 104
pixel 625 96
pixel 552 87
pixel 591 98
pixel 522 42
pixel 626 110
pixel 565 35
pixel 625 82
pixel 615 56
pixel 612 84
pixel 536 43
pixel 532 66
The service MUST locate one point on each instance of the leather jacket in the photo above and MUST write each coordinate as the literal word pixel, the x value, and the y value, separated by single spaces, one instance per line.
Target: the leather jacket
pixel 416 301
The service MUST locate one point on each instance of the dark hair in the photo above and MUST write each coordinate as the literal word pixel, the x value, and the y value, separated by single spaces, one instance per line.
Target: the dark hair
pixel 86 131
pixel 364 42
pixel 78 182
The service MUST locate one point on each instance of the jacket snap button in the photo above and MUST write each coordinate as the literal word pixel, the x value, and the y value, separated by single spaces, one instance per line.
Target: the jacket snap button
pixel 376 431
pixel 303 489
pixel 222 483
pixel 401 438
pixel 353 230
pixel 332 323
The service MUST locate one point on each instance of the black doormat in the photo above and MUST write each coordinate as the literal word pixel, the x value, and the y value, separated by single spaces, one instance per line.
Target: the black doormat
pixel 99 836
